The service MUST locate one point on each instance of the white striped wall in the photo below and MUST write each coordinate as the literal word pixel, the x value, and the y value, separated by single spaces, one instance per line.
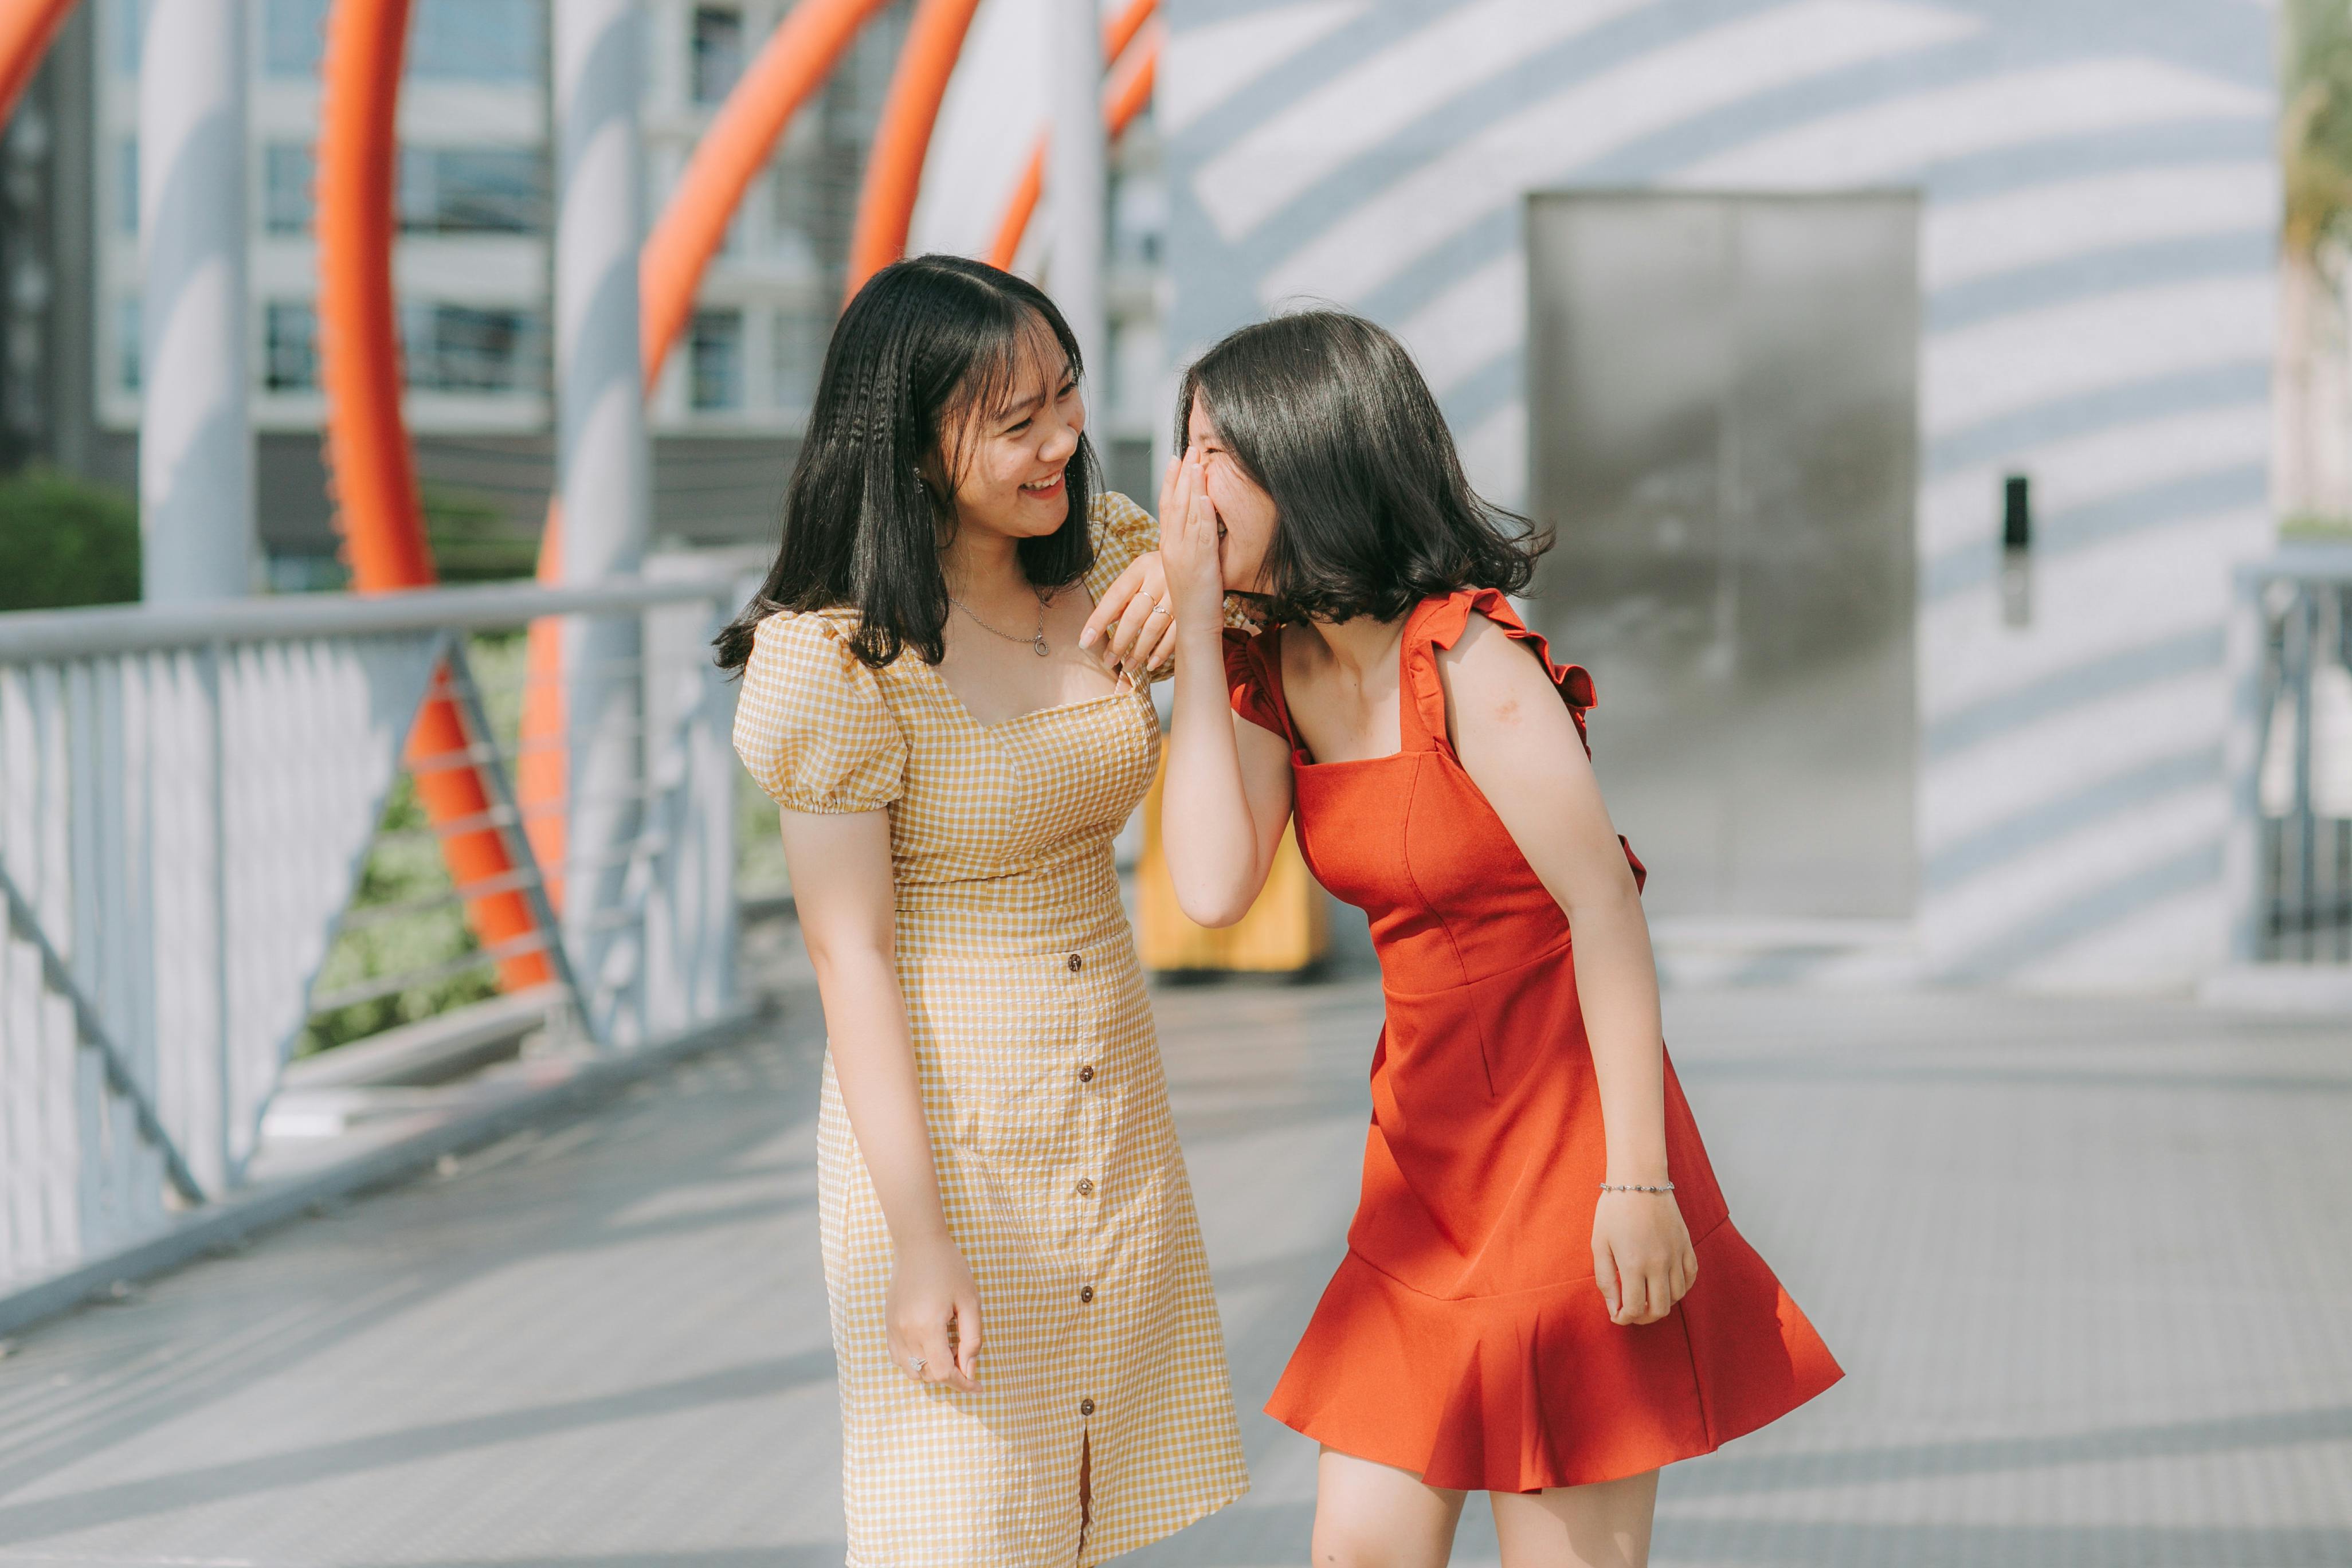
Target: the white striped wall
pixel 2097 277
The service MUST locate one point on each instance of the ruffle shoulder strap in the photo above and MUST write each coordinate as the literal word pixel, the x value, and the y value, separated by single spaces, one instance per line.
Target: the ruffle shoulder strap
pixel 1439 623
pixel 1251 676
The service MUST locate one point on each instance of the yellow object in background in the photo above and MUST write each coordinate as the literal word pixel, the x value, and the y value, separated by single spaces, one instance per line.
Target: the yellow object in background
pixel 1286 929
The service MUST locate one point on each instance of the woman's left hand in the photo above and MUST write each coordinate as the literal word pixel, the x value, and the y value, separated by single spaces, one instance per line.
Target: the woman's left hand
pixel 1642 1255
pixel 1134 619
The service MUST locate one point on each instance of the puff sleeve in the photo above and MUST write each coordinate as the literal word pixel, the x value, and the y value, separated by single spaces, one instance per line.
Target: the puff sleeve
pixel 1122 530
pixel 810 723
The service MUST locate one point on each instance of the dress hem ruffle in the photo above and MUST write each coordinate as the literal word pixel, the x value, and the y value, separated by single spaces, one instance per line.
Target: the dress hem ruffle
pixel 1538 1389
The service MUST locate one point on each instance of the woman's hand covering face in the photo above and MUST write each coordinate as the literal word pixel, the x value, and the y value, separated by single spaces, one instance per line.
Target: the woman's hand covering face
pixel 1192 542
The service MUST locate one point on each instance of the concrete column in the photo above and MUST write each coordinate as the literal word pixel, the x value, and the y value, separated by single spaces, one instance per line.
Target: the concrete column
pixel 1077 182
pixel 195 436
pixel 604 475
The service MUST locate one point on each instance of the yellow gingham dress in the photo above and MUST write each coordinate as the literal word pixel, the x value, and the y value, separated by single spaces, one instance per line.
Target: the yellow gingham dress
pixel 1048 1114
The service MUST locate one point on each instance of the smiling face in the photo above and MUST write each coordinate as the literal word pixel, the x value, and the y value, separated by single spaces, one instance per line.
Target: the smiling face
pixel 1009 456
pixel 1245 513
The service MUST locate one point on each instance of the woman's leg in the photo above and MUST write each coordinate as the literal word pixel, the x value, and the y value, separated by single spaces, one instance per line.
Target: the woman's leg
pixel 1377 1516
pixel 1605 1525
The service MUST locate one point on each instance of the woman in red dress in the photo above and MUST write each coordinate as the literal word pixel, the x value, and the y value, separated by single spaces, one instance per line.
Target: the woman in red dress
pixel 1543 1297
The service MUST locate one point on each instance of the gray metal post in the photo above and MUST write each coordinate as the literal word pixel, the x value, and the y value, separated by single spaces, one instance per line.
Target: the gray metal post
pixel 604 467
pixel 195 436
pixel 1077 181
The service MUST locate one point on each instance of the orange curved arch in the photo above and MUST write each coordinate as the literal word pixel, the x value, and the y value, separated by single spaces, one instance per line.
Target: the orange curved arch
pixel 1124 96
pixel 793 64
pixel 26 29
pixel 1130 86
pixel 788 70
pixel 1023 205
pixel 1120 30
pixel 894 169
pixel 374 477
pixel 372 473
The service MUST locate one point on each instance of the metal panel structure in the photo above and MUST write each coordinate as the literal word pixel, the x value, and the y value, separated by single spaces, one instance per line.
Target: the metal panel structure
pixel 2097 257
pixel 1724 437
pixel 187 794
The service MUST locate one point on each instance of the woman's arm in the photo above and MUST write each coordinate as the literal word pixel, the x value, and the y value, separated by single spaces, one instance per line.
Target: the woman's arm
pixel 842 887
pixel 1227 796
pixel 1519 745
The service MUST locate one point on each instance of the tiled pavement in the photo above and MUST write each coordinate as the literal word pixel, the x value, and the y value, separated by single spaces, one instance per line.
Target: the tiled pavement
pixel 2089 1266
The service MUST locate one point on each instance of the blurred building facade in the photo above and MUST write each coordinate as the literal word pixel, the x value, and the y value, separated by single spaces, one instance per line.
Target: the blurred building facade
pixel 1897 376
pixel 471 267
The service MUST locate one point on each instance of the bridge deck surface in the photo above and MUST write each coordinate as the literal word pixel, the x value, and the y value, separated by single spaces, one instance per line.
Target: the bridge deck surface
pixel 2088 1264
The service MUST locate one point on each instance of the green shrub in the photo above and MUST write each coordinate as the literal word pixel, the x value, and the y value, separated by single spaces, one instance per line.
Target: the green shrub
pixel 2313 528
pixel 66 542
pixel 473 542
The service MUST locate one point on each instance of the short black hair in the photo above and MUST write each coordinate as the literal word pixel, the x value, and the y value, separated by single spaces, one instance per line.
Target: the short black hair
pixel 1328 413
pixel 925 340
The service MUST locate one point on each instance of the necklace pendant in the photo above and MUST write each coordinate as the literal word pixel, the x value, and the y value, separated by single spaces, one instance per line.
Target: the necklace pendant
pixel 1037 644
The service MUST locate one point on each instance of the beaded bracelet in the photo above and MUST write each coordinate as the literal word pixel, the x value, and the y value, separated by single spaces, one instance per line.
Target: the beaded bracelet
pixel 1615 1187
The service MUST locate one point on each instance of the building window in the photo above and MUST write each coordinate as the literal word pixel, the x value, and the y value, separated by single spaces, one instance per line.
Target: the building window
pixel 474 40
pixel 478 40
pixel 294 37
pixel 717 52
pixel 126 185
pixel 714 360
pixel 800 342
pixel 291 346
pixel 472 190
pixel 290 171
pixel 129 23
pixel 473 348
pixel 126 342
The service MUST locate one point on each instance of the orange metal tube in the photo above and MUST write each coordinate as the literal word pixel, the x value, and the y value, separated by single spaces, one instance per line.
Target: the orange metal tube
pixel 1019 210
pixel 1124 96
pixel 894 169
pixel 786 73
pixel 789 69
pixel 374 476
pixel 1120 30
pixel 27 26
pixel 1129 87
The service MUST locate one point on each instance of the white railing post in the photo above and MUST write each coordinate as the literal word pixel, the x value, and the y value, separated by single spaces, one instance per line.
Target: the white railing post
pixel 605 483
pixel 195 438
pixel 2245 659
pixel 1077 180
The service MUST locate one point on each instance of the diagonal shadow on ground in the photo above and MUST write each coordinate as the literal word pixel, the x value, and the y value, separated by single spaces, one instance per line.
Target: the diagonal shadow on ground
pixel 269 1472
pixel 1728 1475
pixel 1736 1543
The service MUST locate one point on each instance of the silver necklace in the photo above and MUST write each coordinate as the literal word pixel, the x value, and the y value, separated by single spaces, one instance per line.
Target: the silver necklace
pixel 1037 640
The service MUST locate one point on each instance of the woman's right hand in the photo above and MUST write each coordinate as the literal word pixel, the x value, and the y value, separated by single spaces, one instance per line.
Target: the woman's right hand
pixel 932 1314
pixel 1191 546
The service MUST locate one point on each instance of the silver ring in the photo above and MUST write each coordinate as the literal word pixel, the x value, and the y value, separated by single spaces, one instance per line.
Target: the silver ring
pixel 1158 609
pixel 916 1366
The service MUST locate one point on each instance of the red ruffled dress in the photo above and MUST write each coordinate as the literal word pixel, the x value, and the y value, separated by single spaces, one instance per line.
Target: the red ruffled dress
pixel 1463 1337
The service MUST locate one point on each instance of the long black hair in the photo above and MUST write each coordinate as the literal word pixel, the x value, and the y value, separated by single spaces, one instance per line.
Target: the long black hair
pixel 1328 415
pixel 925 341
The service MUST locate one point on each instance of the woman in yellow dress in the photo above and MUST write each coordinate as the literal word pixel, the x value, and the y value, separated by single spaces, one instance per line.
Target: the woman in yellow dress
pixel 1030 1364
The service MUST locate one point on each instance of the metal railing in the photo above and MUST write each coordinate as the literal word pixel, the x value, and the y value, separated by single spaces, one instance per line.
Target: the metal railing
pixel 193 798
pixel 2295 625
